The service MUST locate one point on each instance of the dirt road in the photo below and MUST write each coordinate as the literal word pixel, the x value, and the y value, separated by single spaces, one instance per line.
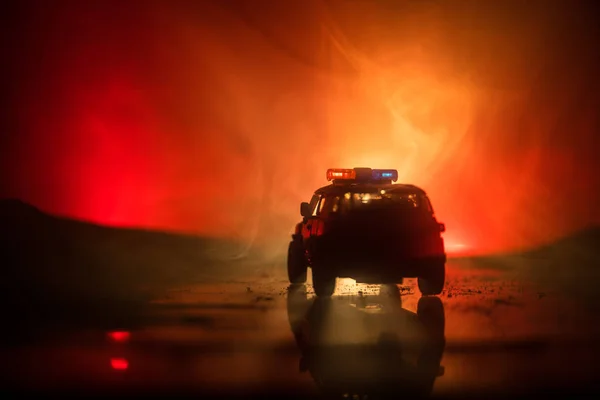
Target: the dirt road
pixel 502 333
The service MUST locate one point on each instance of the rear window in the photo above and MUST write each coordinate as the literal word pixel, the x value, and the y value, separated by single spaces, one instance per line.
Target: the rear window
pixel 356 201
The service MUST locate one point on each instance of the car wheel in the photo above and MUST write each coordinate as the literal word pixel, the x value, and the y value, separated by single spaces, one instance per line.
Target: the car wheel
pixel 432 283
pixel 296 264
pixel 323 281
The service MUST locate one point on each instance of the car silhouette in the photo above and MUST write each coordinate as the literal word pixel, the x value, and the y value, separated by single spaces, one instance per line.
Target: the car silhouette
pixel 365 227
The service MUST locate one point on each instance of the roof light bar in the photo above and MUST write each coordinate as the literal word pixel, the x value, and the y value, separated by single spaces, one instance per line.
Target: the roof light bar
pixel 362 174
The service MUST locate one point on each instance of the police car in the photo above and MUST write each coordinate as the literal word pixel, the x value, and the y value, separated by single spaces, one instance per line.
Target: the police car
pixel 366 227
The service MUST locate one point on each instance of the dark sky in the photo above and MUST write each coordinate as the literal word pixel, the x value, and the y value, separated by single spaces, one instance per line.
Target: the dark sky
pixel 219 117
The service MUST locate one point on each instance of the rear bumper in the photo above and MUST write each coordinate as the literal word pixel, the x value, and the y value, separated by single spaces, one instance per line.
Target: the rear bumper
pixel 371 272
pixel 376 266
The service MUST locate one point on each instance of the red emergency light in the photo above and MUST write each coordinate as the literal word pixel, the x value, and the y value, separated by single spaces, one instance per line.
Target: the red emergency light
pixel 340 173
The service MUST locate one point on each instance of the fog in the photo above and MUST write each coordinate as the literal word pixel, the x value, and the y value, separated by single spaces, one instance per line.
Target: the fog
pixel 218 118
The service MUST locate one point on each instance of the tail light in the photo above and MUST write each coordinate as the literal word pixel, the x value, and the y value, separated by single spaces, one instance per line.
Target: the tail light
pixel 322 228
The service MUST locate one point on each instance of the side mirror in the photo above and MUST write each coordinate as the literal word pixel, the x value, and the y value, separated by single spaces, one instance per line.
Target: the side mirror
pixel 305 209
pixel 442 227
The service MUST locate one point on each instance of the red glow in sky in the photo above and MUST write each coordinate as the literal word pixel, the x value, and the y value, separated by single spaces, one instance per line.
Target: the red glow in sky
pixel 221 120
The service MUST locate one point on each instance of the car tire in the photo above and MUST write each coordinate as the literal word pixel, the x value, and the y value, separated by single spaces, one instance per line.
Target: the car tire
pixel 432 283
pixel 296 264
pixel 323 281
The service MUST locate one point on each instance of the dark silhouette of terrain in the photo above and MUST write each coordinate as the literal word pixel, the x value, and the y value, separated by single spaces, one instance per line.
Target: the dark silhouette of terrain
pixel 581 248
pixel 570 265
pixel 61 271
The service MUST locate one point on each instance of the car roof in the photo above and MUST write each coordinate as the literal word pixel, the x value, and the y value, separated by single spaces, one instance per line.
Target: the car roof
pixel 360 187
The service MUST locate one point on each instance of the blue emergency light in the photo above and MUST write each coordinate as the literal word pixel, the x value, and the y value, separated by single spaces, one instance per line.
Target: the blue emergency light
pixel 384 174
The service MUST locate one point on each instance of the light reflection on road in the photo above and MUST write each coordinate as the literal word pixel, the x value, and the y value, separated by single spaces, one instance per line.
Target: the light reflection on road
pixel 238 333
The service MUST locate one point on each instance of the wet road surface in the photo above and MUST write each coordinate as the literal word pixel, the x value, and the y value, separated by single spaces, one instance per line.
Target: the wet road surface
pixel 491 331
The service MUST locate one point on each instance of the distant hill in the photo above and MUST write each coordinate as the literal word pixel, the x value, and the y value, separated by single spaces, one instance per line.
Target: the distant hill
pixel 570 265
pixel 582 245
pixel 49 262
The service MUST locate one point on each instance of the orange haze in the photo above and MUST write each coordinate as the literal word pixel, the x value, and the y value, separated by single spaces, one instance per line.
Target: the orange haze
pixel 221 117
